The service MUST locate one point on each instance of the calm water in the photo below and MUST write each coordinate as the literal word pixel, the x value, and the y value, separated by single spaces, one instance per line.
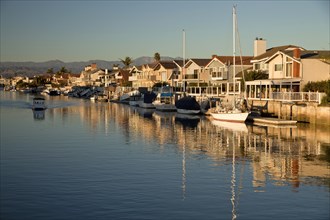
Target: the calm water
pixel 83 160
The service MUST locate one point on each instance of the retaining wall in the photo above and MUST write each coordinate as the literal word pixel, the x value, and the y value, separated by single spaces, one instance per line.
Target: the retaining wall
pixel 301 112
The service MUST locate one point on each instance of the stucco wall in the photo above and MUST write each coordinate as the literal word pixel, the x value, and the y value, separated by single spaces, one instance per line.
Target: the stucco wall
pixel 314 70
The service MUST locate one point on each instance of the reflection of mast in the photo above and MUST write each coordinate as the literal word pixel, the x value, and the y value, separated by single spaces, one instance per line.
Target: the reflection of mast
pixel 184 170
pixel 233 183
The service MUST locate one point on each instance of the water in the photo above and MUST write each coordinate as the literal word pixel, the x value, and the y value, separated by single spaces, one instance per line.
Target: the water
pixel 84 160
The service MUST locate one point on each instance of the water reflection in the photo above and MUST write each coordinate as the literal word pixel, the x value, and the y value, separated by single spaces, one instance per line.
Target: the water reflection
pixel 287 155
pixel 38 114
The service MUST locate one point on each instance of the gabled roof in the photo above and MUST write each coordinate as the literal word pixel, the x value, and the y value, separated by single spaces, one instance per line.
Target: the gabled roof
pixel 305 54
pixel 228 60
pixel 199 62
pixel 271 51
pixel 166 65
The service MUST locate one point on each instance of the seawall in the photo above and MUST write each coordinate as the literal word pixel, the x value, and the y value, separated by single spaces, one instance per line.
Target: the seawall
pixel 301 112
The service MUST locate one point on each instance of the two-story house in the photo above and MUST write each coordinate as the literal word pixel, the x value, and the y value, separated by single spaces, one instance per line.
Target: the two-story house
pixel 195 73
pixel 221 70
pixel 289 68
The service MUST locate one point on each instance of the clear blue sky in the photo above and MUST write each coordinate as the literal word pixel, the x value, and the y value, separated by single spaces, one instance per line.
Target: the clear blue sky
pixel 109 30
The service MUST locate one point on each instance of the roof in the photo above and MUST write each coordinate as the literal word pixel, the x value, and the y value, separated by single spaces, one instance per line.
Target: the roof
pixel 166 65
pixel 228 60
pixel 312 54
pixel 323 55
pixel 200 62
pixel 271 51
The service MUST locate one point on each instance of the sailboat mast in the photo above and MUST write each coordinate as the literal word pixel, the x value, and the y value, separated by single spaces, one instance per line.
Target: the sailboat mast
pixel 184 58
pixel 234 46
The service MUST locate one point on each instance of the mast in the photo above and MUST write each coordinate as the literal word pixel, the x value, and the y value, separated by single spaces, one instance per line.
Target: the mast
pixel 234 52
pixel 184 58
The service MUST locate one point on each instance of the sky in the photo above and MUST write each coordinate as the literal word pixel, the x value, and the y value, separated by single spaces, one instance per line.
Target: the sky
pixel 111 30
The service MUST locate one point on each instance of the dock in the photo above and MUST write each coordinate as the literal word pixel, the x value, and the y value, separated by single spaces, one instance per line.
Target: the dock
pixel 274 121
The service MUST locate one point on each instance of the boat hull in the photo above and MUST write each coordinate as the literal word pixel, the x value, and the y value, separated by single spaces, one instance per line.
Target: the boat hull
pixel 165 107
pixel 230 117
pixel 188 111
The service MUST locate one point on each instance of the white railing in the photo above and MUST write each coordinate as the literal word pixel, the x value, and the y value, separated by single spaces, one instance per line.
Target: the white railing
pixel 297 96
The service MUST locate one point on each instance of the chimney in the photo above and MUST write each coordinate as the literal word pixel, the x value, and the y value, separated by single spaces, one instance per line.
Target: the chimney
pixel 259 46
pixel 296 65
pixel 94 66
pixel 296 53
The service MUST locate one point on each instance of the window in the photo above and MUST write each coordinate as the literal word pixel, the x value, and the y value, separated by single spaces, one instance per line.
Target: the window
pixel 257 66
pixel 278 67
pixel 288 72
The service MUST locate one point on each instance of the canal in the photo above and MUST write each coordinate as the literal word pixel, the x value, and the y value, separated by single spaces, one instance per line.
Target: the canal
pixel 93 160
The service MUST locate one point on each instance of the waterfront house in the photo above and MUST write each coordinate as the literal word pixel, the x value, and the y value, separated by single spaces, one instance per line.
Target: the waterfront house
pixel 221 69
pixel 289 70
pixel 195 72
pixel 163 71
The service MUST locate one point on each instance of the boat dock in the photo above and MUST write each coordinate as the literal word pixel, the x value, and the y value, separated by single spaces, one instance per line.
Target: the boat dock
pixel 273 121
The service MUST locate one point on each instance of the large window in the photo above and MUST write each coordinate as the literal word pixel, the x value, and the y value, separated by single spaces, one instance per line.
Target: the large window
pixel 288 72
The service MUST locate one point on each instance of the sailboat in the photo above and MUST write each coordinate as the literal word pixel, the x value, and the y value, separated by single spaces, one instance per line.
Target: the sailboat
pixel 235 114
pixel 186 104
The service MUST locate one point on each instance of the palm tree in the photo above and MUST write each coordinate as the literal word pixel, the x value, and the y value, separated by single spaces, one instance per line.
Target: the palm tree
pixel 127 61
pixel 157 57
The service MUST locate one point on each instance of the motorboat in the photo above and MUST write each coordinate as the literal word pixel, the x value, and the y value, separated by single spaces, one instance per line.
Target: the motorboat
pixel 38 103
pixel 165 100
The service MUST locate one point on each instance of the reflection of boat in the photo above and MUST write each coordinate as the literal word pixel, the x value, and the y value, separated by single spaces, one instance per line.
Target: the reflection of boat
pixel 187 120
pixel 188 105
pixel 38 103
pixel 39 114
pixel 145 112
pixel 164 100
pixel 230 125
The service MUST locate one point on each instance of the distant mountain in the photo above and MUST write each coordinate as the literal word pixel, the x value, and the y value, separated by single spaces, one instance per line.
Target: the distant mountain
pixel 9 69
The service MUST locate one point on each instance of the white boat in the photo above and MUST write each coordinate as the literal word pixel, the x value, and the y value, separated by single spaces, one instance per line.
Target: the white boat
pixel 165 100
pixel 134 98
pixel 38 103
pixel 235 114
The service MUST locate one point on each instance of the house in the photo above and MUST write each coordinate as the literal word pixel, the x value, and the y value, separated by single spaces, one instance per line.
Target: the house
pixel 163 71
pixel 121 77
pixel 221 72
pixel 289 68
pixel 261 54
pixel 195 72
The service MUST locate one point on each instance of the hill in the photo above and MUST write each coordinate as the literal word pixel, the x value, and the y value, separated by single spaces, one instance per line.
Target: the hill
pixel 10 69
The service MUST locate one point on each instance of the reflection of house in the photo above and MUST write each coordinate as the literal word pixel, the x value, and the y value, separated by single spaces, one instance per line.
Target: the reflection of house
pixel 289 68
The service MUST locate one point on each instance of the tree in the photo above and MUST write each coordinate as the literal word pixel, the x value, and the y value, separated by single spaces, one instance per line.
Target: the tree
pixel 157 57
pixel 50 71
pixel 255 75
pixel 127 61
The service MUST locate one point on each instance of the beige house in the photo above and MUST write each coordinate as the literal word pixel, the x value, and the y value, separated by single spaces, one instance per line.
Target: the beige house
pixel 221 69
pixel 289 70
pixel 195 72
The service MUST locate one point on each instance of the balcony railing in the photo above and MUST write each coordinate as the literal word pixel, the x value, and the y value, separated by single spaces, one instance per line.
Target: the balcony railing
pixel 289 96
